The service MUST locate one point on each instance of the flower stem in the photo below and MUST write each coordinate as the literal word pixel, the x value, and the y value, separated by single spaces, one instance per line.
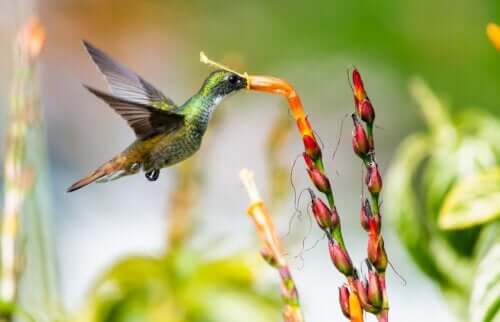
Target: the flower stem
pixel 272 250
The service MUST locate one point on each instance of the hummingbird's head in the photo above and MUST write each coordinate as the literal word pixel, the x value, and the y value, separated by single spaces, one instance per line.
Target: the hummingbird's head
pixel 221 83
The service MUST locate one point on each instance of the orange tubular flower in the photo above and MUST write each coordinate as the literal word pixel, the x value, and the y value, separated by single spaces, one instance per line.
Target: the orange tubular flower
pixel 279 86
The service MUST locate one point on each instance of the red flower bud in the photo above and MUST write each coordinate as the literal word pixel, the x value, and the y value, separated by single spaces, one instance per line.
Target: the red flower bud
pixel 344 300
pixel 319 179
pixel 311 147
pixel 373 247
pixel 360 143
pixel 335 218
pixel 365 214
pixel 381 263
pixel 340 258
pixel 309 162
pixel 321 212
pixel 374 290
pixel 359 88
pixel 362 292
pixel 376 252
pixel 373 224
pixel 366 111
pixel 360 288
pixel 373 179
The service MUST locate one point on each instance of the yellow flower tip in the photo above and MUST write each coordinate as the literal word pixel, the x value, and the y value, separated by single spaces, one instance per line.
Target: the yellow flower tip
pixel 493 33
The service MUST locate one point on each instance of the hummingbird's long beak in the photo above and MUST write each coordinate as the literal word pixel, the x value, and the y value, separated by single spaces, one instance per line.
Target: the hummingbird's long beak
pixel 267 84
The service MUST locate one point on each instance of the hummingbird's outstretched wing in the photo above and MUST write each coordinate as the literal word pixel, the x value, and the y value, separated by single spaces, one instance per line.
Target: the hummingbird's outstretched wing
pixel 146 121
pixel 126 84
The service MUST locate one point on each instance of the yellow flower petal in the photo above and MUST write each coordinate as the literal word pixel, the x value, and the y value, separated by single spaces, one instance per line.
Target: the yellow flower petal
pixel 493 32
pixel 355 308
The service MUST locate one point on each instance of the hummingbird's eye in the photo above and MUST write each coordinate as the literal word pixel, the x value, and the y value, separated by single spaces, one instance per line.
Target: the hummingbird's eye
pixel 232 79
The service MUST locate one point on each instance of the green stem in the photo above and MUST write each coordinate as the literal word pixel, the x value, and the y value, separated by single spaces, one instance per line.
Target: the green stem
pixel 375 204
pixel 337 235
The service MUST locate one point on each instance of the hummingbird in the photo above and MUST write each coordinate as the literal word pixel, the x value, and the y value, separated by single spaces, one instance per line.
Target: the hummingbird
pixel 165 132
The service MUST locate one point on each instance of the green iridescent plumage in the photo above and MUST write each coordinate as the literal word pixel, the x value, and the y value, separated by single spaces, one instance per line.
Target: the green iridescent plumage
pixel 166 133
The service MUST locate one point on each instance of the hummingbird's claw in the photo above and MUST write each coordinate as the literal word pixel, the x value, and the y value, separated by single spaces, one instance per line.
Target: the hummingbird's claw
pixel 152 175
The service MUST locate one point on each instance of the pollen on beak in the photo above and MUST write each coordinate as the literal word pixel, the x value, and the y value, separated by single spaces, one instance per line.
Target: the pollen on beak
pixel 246 79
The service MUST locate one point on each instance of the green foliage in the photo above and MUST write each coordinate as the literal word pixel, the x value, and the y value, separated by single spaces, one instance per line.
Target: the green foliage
pixel 443 193
pixel 472 201
pixel 182 286
pixel 485 297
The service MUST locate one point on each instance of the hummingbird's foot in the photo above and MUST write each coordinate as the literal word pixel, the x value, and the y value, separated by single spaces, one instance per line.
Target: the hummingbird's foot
pixel 152 175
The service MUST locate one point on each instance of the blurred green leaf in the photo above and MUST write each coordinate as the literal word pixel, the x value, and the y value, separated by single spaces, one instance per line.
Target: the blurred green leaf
pixel 403 204
pixel 182 286
pixel 485 298
pixel 473 200
pixel 448 177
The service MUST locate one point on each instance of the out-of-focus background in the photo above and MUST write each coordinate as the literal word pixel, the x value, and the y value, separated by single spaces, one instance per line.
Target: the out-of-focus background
pixel 311 44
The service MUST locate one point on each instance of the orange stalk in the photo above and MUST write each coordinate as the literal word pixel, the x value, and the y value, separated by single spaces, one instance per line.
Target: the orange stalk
pixel 272 250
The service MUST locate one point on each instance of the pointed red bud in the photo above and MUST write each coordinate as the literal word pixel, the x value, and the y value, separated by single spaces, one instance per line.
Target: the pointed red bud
pixel 360 143
pixel 366 111
pixel 321 212
pixel 373 247
pixel 365 214
pixel 373 225
pixel 376 253
pixel 309 162
pixel 373 179
pixel 361 291
pixel 340 258
pixel 320 180
pixel 374 290
pixel 344 300
pixel 359 90
pixel 335 218
pixel 311 147
pixel 381 263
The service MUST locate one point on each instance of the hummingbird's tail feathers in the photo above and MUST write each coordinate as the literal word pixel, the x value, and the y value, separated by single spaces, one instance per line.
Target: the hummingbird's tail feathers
pixel 146 121
pixel 106 170
pixel 125 83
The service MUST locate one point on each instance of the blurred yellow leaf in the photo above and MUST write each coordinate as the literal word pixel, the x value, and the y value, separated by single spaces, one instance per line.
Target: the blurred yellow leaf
pixel 493 32
pixel 472 201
